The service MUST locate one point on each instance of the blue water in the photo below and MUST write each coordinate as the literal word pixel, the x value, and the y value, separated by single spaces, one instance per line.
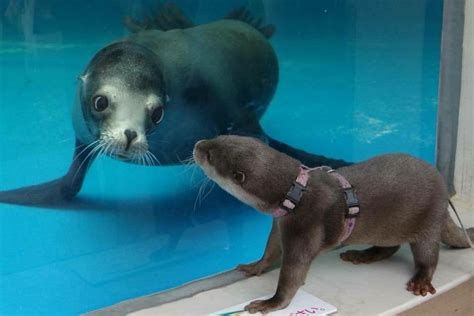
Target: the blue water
pixel 358 78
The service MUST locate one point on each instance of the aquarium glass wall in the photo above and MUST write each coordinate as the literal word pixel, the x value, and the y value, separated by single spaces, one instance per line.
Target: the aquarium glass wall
pixel 357 78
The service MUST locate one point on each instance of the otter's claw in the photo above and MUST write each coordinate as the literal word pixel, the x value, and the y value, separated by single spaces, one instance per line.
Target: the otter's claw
pixel 420 287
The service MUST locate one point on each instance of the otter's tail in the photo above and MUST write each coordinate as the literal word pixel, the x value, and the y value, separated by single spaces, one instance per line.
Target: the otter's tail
pixel 308 159
pixel 455 236
pixel 169 17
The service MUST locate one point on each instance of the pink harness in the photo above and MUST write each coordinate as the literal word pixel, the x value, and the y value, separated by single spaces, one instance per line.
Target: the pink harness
pixel 298 187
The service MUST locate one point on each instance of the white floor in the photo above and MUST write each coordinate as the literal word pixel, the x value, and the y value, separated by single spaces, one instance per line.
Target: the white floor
pixel 377 288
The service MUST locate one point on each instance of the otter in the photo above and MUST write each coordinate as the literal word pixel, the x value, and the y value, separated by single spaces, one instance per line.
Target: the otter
pixel 385 201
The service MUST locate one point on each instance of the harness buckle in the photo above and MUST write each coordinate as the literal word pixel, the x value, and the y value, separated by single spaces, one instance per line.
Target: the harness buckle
pixel 294 196
pixel 296 192
pixel 352 202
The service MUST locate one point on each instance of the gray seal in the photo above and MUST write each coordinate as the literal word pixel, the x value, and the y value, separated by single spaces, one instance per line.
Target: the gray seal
pixel 402 200
pixel 149 97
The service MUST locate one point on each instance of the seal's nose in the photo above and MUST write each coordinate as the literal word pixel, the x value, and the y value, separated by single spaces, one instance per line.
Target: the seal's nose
pixel 130 135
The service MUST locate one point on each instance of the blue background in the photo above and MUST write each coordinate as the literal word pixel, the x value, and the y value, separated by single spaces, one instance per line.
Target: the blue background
pixel 358 78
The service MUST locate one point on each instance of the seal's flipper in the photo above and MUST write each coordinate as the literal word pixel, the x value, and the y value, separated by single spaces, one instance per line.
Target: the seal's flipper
pixel 244 15
pixel 56 191
pixel 310 160
pixel 168 17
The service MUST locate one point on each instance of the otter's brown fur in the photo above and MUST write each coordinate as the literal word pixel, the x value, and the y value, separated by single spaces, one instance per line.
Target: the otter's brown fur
pixel 402 200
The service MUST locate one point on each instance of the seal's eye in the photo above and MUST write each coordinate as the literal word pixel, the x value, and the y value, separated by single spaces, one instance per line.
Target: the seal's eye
pixel 239 176
pixel 157 115
pixel 100 103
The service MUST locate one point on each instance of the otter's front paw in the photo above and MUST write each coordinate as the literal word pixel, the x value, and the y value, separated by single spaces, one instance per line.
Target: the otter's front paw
pixel 255 268
pixel 266 306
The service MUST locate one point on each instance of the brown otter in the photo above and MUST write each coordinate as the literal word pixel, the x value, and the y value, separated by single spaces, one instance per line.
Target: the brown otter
pixel 402 200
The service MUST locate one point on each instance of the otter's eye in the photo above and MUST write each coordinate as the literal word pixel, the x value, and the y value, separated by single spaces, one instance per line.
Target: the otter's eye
pixel 100 103
pixel 239 176
pixel 157 115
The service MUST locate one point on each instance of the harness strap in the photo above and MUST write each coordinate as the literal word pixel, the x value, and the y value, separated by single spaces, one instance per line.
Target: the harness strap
pixel 352 205
pixel 295 193
pixel 298 187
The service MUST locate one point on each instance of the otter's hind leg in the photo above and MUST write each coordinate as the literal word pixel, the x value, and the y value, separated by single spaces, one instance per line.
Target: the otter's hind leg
pixel 425 254
pixel 368 255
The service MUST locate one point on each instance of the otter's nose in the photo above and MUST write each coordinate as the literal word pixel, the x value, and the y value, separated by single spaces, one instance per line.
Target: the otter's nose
pixel 130 135
pixel 199 142
pixel 199 152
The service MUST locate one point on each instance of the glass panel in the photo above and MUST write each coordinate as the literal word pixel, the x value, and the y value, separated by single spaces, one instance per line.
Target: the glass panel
pixel 357 78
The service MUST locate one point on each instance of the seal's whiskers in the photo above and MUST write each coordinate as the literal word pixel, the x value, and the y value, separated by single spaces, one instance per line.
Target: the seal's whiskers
pixel 87 147
pixel 154 158
pixel 93 152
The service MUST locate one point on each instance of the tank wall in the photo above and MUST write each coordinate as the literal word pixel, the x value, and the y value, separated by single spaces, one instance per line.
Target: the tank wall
pixel 464 167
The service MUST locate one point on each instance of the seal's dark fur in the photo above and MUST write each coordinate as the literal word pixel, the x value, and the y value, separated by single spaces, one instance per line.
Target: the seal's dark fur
pixel 170 17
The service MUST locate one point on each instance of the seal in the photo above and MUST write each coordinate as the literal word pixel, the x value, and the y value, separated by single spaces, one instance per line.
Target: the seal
pixel 150 96
pixel 401 200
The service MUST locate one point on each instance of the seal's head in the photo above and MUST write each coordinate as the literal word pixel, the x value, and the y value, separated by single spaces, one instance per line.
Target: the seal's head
pixel 248 169
pixel 121 99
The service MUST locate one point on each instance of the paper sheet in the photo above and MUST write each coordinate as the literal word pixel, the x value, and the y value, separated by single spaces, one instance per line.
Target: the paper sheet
pixel 303 304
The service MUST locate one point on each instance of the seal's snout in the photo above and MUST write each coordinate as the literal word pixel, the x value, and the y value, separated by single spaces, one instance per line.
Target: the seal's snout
pixel 130 136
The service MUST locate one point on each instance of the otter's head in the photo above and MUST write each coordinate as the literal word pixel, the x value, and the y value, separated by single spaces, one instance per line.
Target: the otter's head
pixel 248 169
pixel 121 99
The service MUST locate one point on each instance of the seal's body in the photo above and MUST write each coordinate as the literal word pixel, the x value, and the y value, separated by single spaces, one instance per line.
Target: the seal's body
pixel 402 200
pixel 149 97
pixel 212 78
pixel 219 76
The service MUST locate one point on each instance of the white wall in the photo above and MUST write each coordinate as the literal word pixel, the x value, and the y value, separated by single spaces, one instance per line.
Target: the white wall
pixel 464 168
